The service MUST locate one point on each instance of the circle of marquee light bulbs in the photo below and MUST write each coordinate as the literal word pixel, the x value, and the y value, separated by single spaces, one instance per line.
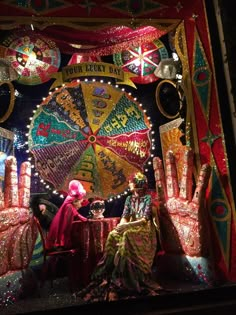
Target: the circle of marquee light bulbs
pixel 49 187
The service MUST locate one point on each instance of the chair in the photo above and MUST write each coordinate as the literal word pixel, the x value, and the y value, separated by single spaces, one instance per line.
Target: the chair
pixel 51 259
pixel 155 216
pixel 156 222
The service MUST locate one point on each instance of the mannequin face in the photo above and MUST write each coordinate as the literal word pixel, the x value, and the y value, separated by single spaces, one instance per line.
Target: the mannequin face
pixel 42 208
pixel 131 186
pixel 136 191
pixel 77 203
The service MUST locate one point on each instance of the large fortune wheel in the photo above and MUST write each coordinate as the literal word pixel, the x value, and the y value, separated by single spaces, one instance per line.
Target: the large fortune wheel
pixel 93 132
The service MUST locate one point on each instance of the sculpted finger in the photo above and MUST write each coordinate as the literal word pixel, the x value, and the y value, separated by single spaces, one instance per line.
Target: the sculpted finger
pixel 11 183
pixel 159 179
pixel 202 184
pixel 24 184
pixel 186 180
pixel 1 198
pixel 171 176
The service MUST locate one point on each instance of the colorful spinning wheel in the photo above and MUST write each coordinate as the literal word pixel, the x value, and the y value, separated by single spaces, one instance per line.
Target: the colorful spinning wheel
pixel 142 60
pixel 34 57
pixel 93 132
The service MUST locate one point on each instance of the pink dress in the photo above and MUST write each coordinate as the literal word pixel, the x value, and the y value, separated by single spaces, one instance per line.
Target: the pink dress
pixel 59 234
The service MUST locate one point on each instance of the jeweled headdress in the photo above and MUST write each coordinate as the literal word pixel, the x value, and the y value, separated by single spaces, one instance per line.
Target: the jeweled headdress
pixel 139 180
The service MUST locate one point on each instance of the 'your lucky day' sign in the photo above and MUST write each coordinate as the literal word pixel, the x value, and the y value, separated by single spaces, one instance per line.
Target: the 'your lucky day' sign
pixel 95 69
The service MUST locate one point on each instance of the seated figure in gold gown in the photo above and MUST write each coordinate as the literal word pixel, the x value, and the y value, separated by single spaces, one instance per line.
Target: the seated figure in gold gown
pixel 125 268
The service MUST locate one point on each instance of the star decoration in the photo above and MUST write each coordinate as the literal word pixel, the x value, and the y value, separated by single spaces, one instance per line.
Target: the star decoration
pixel 140 57
pixel 178 6
pixel 194 16
pixel 88 5
pixel 210 138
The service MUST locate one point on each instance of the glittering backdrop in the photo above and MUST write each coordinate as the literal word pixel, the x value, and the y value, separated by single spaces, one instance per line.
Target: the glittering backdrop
pixel 193 46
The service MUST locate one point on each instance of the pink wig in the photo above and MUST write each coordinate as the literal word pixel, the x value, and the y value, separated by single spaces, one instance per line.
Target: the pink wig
pixel 76 189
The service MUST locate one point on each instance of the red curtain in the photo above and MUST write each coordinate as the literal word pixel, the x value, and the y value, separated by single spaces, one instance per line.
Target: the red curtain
pixel 101 42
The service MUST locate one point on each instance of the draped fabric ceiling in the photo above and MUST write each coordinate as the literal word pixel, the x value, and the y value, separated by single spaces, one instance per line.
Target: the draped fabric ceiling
pixel 105 41
pixel 94 28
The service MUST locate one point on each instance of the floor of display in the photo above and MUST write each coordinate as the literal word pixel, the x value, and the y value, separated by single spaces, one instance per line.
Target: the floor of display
pixel 183 298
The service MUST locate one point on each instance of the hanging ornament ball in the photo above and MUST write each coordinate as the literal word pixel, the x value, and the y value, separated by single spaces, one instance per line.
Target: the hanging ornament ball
pixel 32 56
pixel 167 69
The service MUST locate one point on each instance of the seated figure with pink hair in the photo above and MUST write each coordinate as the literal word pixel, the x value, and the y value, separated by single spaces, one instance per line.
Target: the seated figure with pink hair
pixel 59 235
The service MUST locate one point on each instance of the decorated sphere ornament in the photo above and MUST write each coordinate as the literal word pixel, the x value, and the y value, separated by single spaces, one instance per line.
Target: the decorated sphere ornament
pixel 97 208
pixel 142 60
pixel 90 131
pixel 33 56
pixel 167 69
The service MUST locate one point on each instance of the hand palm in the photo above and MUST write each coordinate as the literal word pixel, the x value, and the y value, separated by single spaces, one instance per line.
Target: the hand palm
pixel 17 233
pixel 182 216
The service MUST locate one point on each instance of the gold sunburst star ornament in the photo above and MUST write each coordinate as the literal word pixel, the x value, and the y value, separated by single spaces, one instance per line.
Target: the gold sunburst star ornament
pixel 139 176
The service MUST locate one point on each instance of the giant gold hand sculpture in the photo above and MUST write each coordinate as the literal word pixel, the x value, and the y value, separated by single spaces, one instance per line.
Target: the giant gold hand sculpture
pixel 184 220
pixel 182 214
pixel 17 229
